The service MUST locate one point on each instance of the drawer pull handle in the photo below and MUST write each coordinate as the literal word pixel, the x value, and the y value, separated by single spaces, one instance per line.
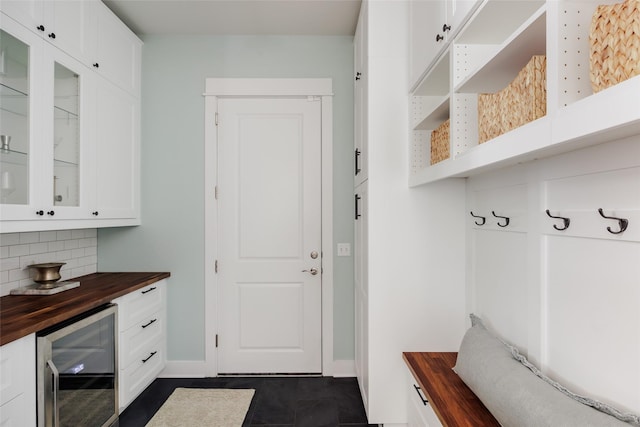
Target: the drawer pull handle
pixel 149 290
pixel 153 353
pixel 150 323
pixel 424 401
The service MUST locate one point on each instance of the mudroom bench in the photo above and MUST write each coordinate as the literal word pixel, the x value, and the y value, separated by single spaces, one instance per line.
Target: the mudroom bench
pixel 437 395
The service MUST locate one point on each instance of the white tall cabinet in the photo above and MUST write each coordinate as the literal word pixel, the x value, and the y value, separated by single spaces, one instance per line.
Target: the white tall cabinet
pixel 409 243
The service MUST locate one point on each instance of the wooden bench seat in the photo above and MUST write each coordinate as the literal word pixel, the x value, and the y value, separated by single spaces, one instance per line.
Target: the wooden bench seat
pixel 452 401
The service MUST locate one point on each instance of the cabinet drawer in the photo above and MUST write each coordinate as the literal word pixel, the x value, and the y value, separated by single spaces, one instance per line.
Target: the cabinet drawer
pixel 138 375
pixel 140 305
pixel 139 340
pixel 419 411
pixel 17 361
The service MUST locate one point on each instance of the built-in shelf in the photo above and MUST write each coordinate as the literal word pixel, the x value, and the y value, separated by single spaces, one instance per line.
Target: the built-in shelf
pixel 609 115
pixel 13 157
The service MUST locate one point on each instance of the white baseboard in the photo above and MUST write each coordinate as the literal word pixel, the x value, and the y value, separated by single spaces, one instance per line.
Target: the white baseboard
pixel 183 369
pixel 197 369
pixel 344 368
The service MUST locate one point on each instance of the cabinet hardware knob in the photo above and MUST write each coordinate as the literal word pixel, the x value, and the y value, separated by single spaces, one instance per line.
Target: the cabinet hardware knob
pixel 446 27
pixel 149 290
pixel 358 214
pixel 52 35
pixel 40 27
pixel 95 213
pixel 40 212
pixel 358 76
pixel 424 401
pixel 96 65
pixel 51 213
pixel 439 37
pixel 358 169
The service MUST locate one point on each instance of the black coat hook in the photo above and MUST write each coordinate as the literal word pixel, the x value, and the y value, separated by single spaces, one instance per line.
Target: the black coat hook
pixel 506 219
pixel 478 216
pixel 565 220
pixel 624 223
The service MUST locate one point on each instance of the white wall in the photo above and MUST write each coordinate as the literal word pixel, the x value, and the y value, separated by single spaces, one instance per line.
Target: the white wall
pixel 171 237
pixel 570 300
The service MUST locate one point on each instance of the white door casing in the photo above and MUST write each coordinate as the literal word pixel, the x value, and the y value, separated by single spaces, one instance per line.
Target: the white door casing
pixel 269 236
pixel 311 91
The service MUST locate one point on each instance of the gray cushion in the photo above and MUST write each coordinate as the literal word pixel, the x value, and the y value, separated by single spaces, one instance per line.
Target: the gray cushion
pixel 516 395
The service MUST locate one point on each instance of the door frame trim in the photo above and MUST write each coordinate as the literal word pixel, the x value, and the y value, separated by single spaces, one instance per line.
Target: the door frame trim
pixel 270 88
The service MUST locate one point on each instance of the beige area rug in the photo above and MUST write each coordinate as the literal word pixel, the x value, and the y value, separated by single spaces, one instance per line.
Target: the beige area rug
pixel 195 407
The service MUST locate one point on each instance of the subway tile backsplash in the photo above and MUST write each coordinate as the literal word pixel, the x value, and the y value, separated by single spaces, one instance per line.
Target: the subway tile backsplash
pixel 78 248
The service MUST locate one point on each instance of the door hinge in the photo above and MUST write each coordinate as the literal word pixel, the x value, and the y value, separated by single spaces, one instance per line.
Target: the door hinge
pixel 216 118
pixel 215 192
pixel 216 340
pixel 215 265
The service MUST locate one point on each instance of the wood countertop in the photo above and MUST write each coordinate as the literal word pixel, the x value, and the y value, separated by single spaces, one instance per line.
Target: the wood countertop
pixel 454 403
pixel 21 315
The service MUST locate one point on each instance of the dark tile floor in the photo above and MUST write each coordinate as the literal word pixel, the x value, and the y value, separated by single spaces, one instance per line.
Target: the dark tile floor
pixel 278 401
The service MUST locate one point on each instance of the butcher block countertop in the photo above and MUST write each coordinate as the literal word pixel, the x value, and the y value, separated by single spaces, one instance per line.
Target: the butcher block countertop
pixel 454 403
pixel 21 315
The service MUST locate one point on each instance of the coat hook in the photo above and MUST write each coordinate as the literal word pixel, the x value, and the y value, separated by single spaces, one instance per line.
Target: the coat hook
pixel 621 221
pixel 478 216
pixel 565 220
pixel 502 217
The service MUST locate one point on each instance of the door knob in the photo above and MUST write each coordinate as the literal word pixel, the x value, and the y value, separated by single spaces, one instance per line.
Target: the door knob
pixel 313 271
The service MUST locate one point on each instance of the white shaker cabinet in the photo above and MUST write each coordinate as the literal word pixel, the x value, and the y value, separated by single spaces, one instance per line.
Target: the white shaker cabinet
pixel 360 98
pixel 73 163
pixel 18 382
pixel 66 24
pixel 142 339
pixel 118 52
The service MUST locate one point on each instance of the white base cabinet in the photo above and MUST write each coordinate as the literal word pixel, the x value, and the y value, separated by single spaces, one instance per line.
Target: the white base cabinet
pixel 419 410
pixel 142 340
pixel 18 383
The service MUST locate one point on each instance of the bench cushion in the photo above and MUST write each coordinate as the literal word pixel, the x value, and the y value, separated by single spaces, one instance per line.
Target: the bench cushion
pixel 516 395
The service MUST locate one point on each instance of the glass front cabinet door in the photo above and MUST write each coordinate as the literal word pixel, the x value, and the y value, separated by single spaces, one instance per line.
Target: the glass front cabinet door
pixel 44 142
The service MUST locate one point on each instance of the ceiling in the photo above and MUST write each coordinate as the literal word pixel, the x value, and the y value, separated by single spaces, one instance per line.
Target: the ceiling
pixel 238 17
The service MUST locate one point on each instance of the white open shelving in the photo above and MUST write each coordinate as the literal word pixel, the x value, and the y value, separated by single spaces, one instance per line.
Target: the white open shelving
pixel 495 44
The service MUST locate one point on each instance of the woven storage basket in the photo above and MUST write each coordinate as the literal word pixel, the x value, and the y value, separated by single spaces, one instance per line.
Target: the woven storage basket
pixel 522 101
pixel 440 143
pixel 614 37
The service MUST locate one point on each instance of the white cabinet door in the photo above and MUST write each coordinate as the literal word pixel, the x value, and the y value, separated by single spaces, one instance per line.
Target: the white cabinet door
pixel 361 296
pixel 118 52
pixel 18 382
pixel 117 153
pixel 28 12
pixel 458 11
pixel 360 100
pixel 71 26
pixel 427 38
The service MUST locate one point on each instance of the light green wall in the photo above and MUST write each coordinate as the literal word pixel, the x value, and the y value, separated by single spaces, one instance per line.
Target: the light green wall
pixel 171 237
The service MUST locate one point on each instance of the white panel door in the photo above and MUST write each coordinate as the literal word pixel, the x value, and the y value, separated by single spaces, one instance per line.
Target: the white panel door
pixel 269 205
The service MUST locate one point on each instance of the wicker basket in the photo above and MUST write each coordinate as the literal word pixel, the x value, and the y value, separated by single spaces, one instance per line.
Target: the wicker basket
pixel 522 101
pixel 440 143
pixel 614 37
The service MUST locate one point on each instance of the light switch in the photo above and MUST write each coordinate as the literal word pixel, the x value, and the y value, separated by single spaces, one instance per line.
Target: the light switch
pixel 344 249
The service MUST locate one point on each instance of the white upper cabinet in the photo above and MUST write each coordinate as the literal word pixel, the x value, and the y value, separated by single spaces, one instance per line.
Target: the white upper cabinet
pixel 67 24
pixel 432 25
pixel 118 52
pixel 360 62
pixel 70 131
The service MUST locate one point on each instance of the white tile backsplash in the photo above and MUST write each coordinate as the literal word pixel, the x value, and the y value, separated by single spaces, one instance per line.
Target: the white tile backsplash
pixel 78 248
